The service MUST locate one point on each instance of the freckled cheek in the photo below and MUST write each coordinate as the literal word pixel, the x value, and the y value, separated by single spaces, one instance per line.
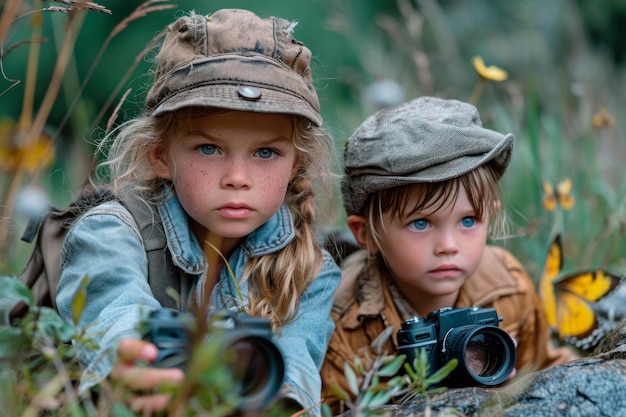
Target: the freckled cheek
pixel 193 178
pixel 273 189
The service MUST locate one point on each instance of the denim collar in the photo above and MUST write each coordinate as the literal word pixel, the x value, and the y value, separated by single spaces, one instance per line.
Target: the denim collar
pixel 186 251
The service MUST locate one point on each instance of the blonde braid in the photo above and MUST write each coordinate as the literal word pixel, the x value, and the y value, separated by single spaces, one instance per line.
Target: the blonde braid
pixel 278 280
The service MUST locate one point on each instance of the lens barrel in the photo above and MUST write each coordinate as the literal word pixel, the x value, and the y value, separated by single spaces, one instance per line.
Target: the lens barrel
pixel 257 368
pixel 485 354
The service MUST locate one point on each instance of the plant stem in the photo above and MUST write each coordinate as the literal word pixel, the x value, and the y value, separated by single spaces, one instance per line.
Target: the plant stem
pixel 65 54
pixel 9 10
pixel 478 90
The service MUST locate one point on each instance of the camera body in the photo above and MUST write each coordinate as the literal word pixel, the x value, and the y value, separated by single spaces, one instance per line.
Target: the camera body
pixel 255 362
pixel 485 353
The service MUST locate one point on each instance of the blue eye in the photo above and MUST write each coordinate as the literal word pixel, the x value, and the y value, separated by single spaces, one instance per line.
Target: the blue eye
pixel 208 149
pixel 468 221
pixel 265 153
pixel 420 224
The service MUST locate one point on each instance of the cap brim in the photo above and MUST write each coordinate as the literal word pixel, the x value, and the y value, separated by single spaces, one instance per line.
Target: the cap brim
pixel 225 96
pixel 218 82
pixel 501 155
pixel 363 184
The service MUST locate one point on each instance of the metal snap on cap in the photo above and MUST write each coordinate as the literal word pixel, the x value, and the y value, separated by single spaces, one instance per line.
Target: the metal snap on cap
pixel 248 93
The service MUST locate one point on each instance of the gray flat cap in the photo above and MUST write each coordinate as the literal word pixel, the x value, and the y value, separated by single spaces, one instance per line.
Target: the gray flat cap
pixel 424 140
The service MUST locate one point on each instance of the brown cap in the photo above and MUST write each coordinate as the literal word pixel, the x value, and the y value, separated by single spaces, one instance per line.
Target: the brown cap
pixel 234 60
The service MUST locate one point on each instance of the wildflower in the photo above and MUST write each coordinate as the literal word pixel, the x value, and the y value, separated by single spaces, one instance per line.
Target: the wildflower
pixel 490 73
pixel 562 195
pixel 17 155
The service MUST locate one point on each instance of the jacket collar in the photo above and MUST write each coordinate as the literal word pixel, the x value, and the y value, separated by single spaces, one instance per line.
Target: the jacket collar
pixel 187 253
pixel 361 291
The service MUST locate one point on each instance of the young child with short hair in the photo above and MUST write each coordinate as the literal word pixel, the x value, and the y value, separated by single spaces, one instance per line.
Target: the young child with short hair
pixel 228 151
pixel 421 192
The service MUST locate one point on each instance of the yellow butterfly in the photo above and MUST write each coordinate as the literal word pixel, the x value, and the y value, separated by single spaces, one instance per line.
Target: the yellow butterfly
pixel 562 195
pixel 603 118
pixel 568 301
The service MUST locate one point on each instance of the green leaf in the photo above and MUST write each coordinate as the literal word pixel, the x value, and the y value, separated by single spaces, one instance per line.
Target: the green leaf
pixel 378 344
pixel 358 365
pixel 12 342
pixel 386 358
pixel 410 371
pixel 381 398
pixel 80 300
pixel 326 411
pixel 351 378
pixel 375 380
pixel 366 398
pixel 397 381
pixel 51 324
pixel 392 367
pixel 424 361
pixel 120 410
pixel 75 408
pixel 377 387
pixel 436 390
pixel 339 392
pixel 170 291
pixel 368 360
pixel 13 289
pixel 442 372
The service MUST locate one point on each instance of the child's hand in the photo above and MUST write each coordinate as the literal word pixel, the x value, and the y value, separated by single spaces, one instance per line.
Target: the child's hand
pixel 142 380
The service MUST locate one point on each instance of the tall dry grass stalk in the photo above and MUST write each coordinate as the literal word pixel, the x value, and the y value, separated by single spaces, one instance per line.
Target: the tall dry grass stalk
pixel 29 131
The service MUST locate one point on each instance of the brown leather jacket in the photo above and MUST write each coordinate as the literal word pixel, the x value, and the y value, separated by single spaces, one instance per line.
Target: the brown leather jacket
pixel 364 307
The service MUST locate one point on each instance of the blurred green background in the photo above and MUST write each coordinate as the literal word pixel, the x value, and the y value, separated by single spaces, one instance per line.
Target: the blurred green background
pixel 563 98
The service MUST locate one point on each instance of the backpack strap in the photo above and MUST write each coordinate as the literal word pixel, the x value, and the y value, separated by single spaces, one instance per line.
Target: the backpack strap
pixel 162 273
pixel 42 273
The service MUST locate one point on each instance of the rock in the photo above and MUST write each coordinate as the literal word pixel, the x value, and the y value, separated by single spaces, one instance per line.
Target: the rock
pixel 591 386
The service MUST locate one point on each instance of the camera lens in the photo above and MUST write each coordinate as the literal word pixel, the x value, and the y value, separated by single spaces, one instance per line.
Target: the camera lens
pixel 258 369
pixel 486 355
pixel 482 355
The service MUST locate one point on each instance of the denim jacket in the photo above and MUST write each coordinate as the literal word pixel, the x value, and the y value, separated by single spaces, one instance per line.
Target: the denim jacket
pixel 105 245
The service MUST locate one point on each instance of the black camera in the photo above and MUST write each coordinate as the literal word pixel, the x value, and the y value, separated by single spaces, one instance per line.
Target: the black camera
pixel 257 365
pixel 485 352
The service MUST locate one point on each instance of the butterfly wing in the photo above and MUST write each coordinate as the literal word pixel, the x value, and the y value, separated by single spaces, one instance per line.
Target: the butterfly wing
pixel 591 286
pixel 569 301
pixel 549 197
pixel 577 321
pixel 575 317
pixel 564 194
pixel 551 270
